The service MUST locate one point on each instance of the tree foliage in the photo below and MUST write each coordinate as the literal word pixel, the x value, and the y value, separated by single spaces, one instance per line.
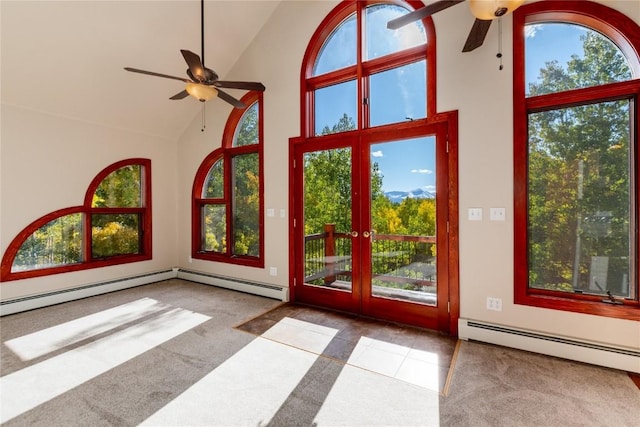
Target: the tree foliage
pixel 578 176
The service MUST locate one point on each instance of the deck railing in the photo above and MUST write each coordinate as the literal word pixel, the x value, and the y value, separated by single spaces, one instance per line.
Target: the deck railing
pixel 398 261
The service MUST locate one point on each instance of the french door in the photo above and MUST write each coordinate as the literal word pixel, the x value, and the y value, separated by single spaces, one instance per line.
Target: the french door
pixel 370 225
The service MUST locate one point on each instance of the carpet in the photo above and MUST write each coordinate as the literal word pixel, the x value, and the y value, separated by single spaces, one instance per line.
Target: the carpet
pixel 497 386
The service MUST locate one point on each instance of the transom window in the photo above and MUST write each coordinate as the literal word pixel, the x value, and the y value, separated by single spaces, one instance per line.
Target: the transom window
pixel 577 85
pixel 112 227
pixel 362 74
pixel 228 189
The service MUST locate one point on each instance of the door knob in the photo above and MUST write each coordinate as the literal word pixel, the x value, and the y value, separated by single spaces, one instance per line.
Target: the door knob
pixel 353 234
pixel 366 234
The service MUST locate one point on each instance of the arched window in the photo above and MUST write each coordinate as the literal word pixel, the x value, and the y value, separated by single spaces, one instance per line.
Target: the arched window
pixel 228 192
pixel 358 74
pixel 577 87
pixel 113 226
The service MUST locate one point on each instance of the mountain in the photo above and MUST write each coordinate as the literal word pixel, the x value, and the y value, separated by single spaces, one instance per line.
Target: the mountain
pixel 398 196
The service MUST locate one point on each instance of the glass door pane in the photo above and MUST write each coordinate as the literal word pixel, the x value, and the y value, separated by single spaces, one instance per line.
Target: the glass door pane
pixel 327 213
pixel 403 220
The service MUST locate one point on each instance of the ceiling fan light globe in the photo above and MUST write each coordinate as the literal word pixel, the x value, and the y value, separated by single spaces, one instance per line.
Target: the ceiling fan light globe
pixel 492 9
pixel 201 92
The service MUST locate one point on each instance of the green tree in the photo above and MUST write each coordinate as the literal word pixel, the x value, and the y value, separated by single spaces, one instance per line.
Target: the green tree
pixel 578 170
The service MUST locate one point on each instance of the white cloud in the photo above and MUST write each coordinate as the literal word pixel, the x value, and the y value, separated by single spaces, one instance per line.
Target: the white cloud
pixel 422 171
pixel 531 30
pixel 376 153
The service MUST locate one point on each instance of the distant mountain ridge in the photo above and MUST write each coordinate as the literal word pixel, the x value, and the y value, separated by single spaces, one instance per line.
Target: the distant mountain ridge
pixel 398 196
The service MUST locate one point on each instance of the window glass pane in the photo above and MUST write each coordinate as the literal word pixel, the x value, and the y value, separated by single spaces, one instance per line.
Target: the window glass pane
pixel 120 189
pixel 399 94
pixel 382 41
pixel 246 203
pixel 247 130
pixel 335 108
pixel 214 226
pixel 115 234
pixel 57 243
pixel 214 184
pixel 339 49
pixel 579 197
pixel 560 56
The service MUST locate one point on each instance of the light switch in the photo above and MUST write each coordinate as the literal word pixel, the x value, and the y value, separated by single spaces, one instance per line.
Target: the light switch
pixel 475 214
pixel 271 212
pixel 497 214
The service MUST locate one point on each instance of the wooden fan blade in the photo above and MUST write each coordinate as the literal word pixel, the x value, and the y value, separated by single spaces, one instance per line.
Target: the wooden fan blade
pixel 230 99
pixel 410 17
pixel 240 85
pixel 151 73
pixel 195 65
pixel 180 95
pixel 477 35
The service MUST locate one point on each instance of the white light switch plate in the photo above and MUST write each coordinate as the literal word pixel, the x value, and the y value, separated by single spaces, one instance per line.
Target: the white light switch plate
pixel 475 214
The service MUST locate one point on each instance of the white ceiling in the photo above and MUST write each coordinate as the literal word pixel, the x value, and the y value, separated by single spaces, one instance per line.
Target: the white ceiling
pixel 66 57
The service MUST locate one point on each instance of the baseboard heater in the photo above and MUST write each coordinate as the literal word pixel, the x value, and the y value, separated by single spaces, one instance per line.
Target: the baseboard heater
pixel 625 359
pixel 256 288
pixel 32 302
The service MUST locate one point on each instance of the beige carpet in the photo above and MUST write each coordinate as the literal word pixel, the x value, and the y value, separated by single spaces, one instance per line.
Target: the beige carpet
pixel 497 386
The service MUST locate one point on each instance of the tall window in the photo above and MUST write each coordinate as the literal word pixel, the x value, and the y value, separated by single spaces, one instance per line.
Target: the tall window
pixel 113 226
pixel 228 189
pixel 577 85
pixel 362 74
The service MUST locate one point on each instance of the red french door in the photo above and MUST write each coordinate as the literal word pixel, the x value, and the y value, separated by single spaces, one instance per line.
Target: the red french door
pixel 370 224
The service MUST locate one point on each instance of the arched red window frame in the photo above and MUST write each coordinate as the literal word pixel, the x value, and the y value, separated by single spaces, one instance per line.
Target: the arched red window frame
pixel 625 33
pixel 362 69
pixel 87 210
pixel 226 152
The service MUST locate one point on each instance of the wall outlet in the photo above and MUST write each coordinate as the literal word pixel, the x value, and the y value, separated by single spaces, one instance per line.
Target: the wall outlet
pixel 273 271
pixel 190 260
pixel 494 304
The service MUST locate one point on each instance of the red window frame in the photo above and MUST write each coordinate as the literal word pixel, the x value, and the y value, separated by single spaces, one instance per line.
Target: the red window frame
pixel 87 211
pixel 625 33
pixel 226 152
pixel 361 70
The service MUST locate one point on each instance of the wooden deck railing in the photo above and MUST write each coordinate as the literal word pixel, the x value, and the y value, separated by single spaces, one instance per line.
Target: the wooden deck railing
pixel 402 261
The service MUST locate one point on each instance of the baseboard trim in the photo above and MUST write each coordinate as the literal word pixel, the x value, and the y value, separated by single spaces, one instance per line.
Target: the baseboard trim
pixel 32 302
pixel 625 359
pixel 263 289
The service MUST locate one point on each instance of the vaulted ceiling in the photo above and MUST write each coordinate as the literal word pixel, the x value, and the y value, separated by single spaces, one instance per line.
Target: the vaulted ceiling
pixel 66 58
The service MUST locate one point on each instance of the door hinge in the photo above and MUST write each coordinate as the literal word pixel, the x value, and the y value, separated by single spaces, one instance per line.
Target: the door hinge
pixel 448 307
pixel 365 101
pixel 294 222
pixel 447 226
pixel 447 145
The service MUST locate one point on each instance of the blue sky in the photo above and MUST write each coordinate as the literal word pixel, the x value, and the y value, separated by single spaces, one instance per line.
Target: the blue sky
pixel 395 95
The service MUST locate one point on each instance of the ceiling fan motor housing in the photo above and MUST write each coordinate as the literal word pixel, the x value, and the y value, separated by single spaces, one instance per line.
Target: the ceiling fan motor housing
pixel 491 9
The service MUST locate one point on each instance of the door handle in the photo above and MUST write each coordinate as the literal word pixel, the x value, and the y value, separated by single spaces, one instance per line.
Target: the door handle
pixel 366 234
pixel 353 234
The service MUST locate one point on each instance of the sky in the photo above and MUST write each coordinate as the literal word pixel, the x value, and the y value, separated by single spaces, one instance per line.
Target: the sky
pixel 400 94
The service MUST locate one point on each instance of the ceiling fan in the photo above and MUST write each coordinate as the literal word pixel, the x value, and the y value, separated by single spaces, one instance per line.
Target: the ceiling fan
pixel 485 11
pixel 203 83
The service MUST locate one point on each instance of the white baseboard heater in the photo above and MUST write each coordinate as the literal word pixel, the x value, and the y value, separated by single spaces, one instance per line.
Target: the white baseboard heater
pixel 32 302
pixel 256 288
pixel 625 359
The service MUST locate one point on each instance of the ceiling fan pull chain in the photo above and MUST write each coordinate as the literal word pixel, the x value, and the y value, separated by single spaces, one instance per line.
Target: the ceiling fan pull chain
pixel 203 120
pixel 499 55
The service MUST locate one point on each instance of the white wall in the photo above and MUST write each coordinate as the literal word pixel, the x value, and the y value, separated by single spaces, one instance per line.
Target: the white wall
pixel 47 163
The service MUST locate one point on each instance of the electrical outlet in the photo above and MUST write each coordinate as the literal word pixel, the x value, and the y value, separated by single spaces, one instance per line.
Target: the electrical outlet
pixel 494 304
pixel 273 271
